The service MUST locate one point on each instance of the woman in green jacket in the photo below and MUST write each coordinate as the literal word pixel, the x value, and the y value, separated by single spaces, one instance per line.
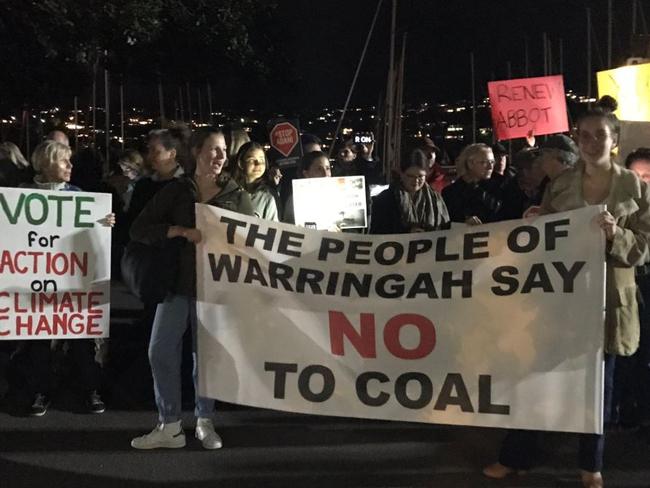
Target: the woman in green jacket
pixel 596 180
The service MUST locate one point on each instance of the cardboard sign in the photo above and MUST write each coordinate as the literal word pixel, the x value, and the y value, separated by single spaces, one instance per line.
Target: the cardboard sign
pixel 630 86
pixel 633 136
pixel 54 264
pixel 528 107
pixel 468 326
pixel 284 137
pixel 329 203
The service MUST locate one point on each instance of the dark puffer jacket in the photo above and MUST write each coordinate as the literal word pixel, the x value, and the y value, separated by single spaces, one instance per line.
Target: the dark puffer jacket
pixel 174 205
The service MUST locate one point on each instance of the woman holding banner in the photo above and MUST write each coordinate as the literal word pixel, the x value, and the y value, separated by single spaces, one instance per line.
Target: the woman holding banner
pixel 250 169
pixel 595 180
pixel 51 162
pixel 170 215
pixel 409 204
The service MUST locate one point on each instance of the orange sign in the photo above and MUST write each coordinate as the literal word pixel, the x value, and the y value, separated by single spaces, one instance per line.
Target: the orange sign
pixel 528 107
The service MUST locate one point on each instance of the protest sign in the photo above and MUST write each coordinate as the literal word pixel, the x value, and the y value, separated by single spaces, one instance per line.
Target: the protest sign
pixel 284 137
pixel 327 203
pixel 499 325
pixel 630 86
pixel 528 107
pixel 54 264
pixel 633 136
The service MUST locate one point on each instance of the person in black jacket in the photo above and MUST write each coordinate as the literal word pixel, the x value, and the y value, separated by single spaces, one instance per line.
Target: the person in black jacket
pixel 170 216
pixel 471 198
pixel 409 204
pixel 166 154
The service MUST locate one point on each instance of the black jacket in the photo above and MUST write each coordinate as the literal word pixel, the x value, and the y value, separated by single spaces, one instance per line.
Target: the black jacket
pixel 465 200
pixel 174 205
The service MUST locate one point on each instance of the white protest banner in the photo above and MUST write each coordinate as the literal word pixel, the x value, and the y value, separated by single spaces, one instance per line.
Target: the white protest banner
pixel 326 203
pixel 54 264
pixel 499 325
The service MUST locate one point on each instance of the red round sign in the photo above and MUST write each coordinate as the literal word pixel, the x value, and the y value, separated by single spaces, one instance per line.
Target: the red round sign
pixel 284 138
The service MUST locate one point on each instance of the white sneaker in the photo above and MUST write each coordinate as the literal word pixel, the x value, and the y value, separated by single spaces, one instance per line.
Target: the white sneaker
pixel 206 434
pixel 164 435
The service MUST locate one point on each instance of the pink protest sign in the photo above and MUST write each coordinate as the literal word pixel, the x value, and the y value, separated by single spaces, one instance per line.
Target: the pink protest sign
pixel 528 106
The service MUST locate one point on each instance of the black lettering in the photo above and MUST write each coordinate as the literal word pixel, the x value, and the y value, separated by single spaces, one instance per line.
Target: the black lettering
pixel 471 244
pixel 355 253
pixel 423 284
pixel 362 389
pixel 398 252
pixel 311 277
pixel 533 239
pixel 254 273
pixel 327 246
pixel 231 227
pixel 537 278
pixel 568 275
pixel 441 251
pixel 255 234
pixel 304 383
pixel 361 287
pixel 449 282
pixel 279 272
pixel 280 378
pixel 418 247
pixel 551 232
pixel 426 390
pixel 454 381
pixel 503 275
pixel 225 264
pixel 485 404
pixel 286 240
pixel 395 290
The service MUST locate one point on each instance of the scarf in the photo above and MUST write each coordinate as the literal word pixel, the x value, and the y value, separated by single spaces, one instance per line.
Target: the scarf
pixel 425 209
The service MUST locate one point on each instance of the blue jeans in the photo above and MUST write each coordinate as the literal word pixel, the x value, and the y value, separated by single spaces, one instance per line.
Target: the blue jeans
pixel 165 355
pixel 519 448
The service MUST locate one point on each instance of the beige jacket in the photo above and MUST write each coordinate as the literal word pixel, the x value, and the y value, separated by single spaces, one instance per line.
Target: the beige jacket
pixel 629 203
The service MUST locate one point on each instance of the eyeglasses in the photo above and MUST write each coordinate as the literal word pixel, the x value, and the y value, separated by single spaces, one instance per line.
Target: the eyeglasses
pixel 484 162
pixel 415 177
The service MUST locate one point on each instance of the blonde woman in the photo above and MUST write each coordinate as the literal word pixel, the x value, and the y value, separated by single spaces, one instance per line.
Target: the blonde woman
pixel 471 199
pixel 51 161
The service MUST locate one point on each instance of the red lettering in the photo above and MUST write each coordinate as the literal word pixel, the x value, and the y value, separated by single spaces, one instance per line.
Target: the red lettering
pixel 4 294
pixel 93 328
pixel 427 336
pixel 43 326
pixel 363 341
pixel 92 302
pixel 24 325
pixel 4 332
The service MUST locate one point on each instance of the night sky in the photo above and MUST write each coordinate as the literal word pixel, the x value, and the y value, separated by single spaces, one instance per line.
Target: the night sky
pixel 323 41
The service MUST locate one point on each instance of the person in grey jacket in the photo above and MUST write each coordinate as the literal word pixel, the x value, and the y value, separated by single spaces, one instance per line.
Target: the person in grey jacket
pixel 170 216
pixel 249 172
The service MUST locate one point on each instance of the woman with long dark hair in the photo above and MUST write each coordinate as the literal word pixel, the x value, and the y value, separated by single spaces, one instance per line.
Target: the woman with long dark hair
pixel 249 172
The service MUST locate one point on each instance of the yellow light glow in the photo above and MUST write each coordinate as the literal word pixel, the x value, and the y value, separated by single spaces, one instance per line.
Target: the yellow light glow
pixel 630 86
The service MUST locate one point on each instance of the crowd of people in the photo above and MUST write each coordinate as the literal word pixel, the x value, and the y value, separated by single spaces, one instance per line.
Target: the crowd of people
pixel 153 204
